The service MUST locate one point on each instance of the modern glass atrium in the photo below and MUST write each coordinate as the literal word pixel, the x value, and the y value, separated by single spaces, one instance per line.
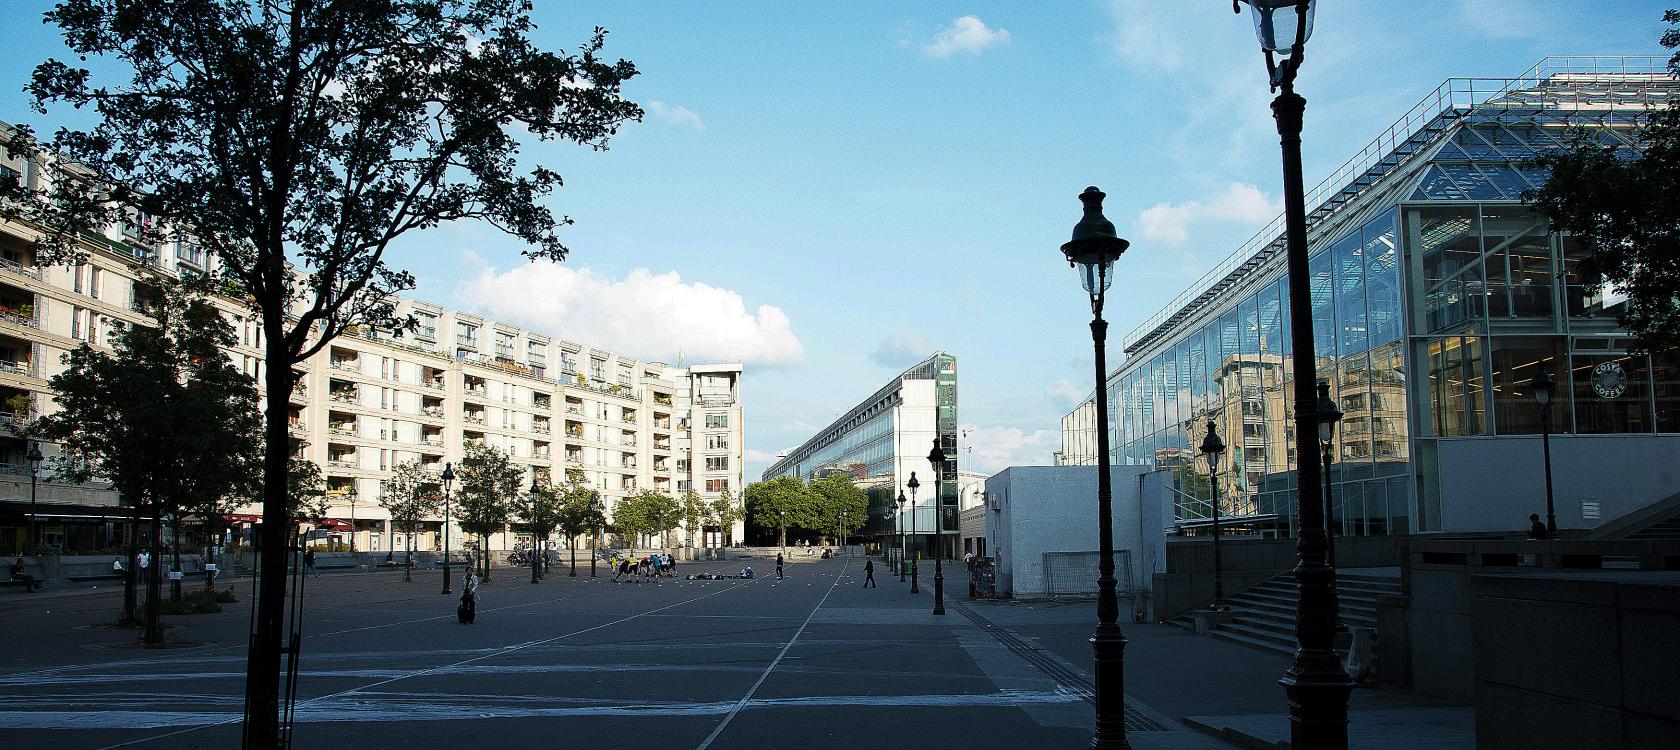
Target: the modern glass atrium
pixel 1436 294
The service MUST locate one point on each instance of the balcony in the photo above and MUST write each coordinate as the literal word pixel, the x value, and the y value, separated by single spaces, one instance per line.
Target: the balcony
pixel 25 367
pixel 20 269
pixel 466 342
pixel 426 333
pixel 345 429
pixel 541 429
pixel 663 399
pixel 574 457
pixel 435 439
pixel 347 364
pixel 345 395
pixel 435 412
pixel 22 314
pixel 474 418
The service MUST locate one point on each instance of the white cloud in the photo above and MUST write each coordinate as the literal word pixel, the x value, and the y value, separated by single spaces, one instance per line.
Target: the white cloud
pixel 757 456
pixel 1149 35
pixel 1240 203
pixel 675 114
pixel 997 448
pixel 1065 394
pixel 645 314
pixel 1505 19
pixel 900 348
pixel 966 34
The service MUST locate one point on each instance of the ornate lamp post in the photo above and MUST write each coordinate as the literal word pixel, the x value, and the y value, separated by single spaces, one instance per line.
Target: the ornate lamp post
pixel 1328 416
pixel 1212 448
pixel 1543 386
pixel 34 456
pixel 1315 683
pixel 1092 250
pixel 448 479
pixel 937 458
pixel 842 531
pixel 595 537
pixel 902 550
pixel 914 527
pixel 536 547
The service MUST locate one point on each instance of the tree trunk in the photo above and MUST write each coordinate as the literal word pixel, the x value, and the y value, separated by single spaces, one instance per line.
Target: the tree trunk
pixel 154 589
pixel 484 556
pixel 175 545
pixel 408 557
pixel 262 666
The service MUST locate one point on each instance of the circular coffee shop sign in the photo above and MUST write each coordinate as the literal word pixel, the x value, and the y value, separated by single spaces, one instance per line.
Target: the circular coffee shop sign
pixel 1609 380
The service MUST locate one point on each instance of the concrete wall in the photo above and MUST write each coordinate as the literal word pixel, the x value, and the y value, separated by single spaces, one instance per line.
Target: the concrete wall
pixel 1187 580
pixel 1044 509
pixel 1493 484
pixel 1571 660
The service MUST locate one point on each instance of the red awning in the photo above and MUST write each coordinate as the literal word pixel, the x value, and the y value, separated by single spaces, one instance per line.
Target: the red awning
pixel 334 524
pixel 243 518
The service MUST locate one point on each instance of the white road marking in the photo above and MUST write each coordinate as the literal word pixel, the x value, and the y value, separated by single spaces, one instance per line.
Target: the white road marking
pixel 767 670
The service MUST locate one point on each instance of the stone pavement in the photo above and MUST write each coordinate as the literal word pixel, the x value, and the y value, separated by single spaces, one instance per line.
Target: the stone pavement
pixel 814 661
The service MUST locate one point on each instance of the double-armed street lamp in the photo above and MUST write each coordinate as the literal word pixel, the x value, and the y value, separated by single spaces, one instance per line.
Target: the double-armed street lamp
pixel 34 456
pixel 1329 415
pixel 1212 448
pixel 1543 386
pixel 1092 250
pixel 1315 682
pixel 937 458
pixel 914 527
pixel 448 479
pixel 899 522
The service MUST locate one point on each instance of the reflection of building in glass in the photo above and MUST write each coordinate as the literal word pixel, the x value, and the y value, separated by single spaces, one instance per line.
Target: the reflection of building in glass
pixel 1079 436
pixel 1424 263
pixel 881 441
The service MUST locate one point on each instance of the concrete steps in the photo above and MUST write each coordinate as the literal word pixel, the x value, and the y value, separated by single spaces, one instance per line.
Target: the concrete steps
pixel 1265 613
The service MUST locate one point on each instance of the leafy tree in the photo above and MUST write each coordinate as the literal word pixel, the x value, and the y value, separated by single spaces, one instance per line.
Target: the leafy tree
pixel 410 496
pixel 644 514
pixel 1623 212
pixel 164 416
pixel 839 494
pixel 306 492
pixel 695 513
pixel 541 513
pixel 767 502
pixel 577 512
pixel 488 485
pixel 298 141
pixel 725 512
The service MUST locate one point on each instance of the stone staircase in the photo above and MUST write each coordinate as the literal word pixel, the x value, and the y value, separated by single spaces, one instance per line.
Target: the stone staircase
pixel 1668 528
pixel 1265 613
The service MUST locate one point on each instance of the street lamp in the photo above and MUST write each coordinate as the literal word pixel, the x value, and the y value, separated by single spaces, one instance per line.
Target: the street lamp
pixel 596 511
pixel 898 521
pixel 1212 447
pixel 937 458
pixel 35 458
pixel 1093 249
pixel 536 549
pixel 448 479
pixel 914 527
pixel 1315 682
pixel 842 531
pixel 1328 416
pixel 781 515
pixel 1543 386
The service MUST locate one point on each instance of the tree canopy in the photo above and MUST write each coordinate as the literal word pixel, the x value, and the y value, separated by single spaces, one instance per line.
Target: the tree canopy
pixel 839 494
pixel 645 513
pixel 1620 206
pixel 488 486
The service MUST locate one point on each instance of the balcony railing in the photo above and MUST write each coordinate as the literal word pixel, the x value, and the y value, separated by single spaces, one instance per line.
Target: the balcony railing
pixel 428 333
pixel 474 419
pixel 20 269
pixel 436 440
pixel 350 365
pixel 345 396
pixel 339 463
pixel 432 385
pixel 344 430
pixel 436 412
pixel 22 315
pixel 465 341
pixel 541 429
pixel 17 368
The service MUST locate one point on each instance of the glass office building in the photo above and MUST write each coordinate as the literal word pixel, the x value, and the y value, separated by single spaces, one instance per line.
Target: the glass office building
pixel 884 439
pixel 1436 294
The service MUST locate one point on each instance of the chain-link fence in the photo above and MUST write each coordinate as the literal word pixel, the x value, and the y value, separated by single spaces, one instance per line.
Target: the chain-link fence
pixel 1075 573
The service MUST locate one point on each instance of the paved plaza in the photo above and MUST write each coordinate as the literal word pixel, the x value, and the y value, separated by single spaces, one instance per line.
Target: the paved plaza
pixel 811 661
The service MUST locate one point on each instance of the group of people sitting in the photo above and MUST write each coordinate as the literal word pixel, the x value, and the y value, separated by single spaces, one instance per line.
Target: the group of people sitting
pixel 746 572
pixel 651 566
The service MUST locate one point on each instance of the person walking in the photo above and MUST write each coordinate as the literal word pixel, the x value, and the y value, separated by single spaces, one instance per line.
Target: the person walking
pixel 869 573
pixel 469 600
pixel 778 566
pixel 309 562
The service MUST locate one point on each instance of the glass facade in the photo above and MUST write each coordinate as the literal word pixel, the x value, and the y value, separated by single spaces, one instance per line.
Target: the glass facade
pixel 1435 294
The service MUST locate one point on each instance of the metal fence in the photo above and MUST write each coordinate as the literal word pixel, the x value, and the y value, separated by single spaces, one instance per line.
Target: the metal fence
pixel 1075 573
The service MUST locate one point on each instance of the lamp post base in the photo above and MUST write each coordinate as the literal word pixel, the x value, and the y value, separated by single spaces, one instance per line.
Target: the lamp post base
pixel 1108 647
pixel 1318 706
pixel 938 587
pixel 914 589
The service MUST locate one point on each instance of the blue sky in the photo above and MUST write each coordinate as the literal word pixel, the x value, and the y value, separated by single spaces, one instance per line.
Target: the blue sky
pixel 831 193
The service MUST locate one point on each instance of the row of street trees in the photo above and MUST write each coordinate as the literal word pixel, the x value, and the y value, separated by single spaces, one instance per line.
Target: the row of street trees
pixel 829 508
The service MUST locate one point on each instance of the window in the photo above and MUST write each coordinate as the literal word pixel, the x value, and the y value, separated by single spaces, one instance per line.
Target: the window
pixel 95 275
pixel 717 463
pixel 598 368
pixel 1612 392
pixel 717 442
pixel 716 421
pixel 1514 361
pixel 425 327
pixel 76 323
pixel 1455 384
pixel 717 485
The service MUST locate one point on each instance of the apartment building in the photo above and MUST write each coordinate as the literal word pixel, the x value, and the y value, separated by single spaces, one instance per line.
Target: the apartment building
pixel 371 399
